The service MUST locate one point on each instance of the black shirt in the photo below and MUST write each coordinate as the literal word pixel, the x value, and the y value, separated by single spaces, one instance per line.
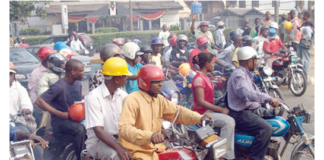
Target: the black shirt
pixel 176 54
pixel 246 30
pixel 308 24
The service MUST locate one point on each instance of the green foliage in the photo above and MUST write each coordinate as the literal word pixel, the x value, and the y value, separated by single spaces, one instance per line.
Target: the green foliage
pixel 31 31
pixel 174 27
pixel 20 10
pixel 34 40
pixel 106 30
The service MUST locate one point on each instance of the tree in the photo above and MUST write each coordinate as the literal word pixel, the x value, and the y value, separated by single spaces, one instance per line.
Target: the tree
pixel 20 10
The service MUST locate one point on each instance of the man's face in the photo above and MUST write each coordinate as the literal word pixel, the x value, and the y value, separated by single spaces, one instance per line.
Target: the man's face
pixel 157 48
pixel 19 40
pixel 305 17
pixel 203 29
pixel 238 39
pixel 257 21
pixel 204 46
pixel 76 37
pixel 252 64
pixel 182 44
pixel 268 15
pixel 146 56
pixel 156 87
pixel 78 72
pixel 265 33
pixel 71 38
pixel 121 80
pixel 11 77
pixel 165 27
pixel 292 15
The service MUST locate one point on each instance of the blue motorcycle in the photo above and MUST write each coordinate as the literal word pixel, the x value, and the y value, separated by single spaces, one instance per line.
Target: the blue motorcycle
pixel 184 84
pixel 169 90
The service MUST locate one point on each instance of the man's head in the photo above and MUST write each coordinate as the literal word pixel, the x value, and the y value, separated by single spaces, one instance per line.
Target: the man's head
pixel 257 21
pixel 202 43
pixel 56 63
pixel 44 53
pixel 165 28
pixel 306 15
pixel 284 16
pixel 272 33
pixel 147 50
pixel 220 24
pixel 60 45
pixel 71 37
pixel 267 15
pixel 110 50
pixel 12 73
pixel 236 36
pixel 76 37
pixel 247 57
pixel 23 40
pixel 172 35
pixel 245 22
pixel 274 25
pixel 247 40
pixel 182 41
pixel 264 31
pixel 203 26
pixel 18 39
pixel 292 14
pixel 149 79
pixel 156 45
pixel 132 52
pixel 115 71
pixel 74 69
pixel 11 35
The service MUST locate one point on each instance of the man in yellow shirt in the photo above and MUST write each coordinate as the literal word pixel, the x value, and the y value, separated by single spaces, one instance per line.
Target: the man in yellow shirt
pixel 143 113
pixel 246 41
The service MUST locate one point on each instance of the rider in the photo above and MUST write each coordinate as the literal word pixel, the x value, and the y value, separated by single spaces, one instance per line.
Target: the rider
pixel 62 48
pixel 103 107
pixel 119 42
pixel 179 51
pixel 145 58
pixel 43 55
pixel 106 52
pixel 156 45
pixel 168 49
pixel 246 41
pixel 202 47
pixel 143 112
pixel 244 97
pixel 57 100
pixel 76 44
pixel 131 53
pixel 226 56
pixel 19 102
pixel 261 38
pixel 203 98
pixel 271 47
pixel 138 42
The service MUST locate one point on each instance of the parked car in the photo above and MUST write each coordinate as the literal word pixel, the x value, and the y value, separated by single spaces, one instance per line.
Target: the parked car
pixel 25 63
pixel 84 59
pixel 86 41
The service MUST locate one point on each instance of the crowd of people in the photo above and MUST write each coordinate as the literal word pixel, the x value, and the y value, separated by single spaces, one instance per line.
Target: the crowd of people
pixel 124 109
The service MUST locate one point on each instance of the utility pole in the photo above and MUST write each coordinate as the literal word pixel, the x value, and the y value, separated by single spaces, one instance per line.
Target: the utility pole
pixel 310 7
pixel 131 15
pixel 277 12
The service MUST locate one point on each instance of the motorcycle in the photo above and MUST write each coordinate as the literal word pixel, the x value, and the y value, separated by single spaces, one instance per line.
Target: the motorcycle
pixel 169 89
pixel 288 70
pixel 84 52
pixel 184 84
pixel 289 129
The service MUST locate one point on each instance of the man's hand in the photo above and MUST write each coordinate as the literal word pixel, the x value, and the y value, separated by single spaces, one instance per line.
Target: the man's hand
pixel 25 112
pixel 157 138
pixel 39 139
pixel 123 153
pixel 278 54
pixel 64 115
pixel 225 111
pixel 194 16
pixel 275 102
pixel 206 116
pixel 30 120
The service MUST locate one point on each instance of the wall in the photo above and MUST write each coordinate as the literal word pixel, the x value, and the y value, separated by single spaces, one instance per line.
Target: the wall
pixel 38 22
pixel 233 21
pixel 170 18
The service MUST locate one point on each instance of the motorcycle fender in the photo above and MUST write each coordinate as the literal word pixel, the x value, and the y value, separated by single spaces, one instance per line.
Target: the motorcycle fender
pixel 274 86
pixel 300 143
pixel 298 69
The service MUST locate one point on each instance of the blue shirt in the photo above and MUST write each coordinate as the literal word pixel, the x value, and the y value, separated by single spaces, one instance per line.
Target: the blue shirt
pixel 12 133
pixel 131 85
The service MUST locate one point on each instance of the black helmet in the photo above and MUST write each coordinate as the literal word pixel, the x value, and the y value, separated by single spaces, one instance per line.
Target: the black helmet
pixel 247 40
pixel 146 48
pixel 263 28
pixel 234 33
pixel 257 27
pixel 55 62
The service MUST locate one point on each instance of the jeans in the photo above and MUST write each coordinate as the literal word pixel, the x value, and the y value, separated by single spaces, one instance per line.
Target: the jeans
pixel 247 121
pixel 304 55
pixel 72 131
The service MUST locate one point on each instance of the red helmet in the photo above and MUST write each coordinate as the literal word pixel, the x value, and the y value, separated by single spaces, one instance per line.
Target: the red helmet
pixel 76 112
pixel 118 41
pixel 147 74
pixel 173 41
pixel 44 52
pixel 203 24
pixel 172 35
pixel 201 41
pixel 12 67
pixel 73 32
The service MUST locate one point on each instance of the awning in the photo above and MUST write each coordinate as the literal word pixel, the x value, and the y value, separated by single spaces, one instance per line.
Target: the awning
pixel 72 19
pixel 153 16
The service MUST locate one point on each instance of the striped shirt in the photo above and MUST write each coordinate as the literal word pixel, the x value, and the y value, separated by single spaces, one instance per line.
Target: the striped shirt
pixel 242 92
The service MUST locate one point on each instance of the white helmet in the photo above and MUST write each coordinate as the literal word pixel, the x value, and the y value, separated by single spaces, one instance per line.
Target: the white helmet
pixel 131 49
pixel 246 53
pixel 220 23
pixel 274 25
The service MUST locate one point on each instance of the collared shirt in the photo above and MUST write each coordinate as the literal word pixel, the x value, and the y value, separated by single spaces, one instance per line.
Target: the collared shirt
pixel 242 92
pixel 95 80
pixel 272 45
pixel 226 56
pixel 32 84
pixel 164 37
pixel 77 45
pixel 208 35
pixel 131 85
pixel 142 115
pixel 220 38
pixel 19 100
pixel 102 109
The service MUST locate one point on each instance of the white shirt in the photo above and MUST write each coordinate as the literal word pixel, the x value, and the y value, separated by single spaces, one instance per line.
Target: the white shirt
pixel 260 39
pixel 220 38
pixel 19 99
pixel 164 36
pixel 167 54
pixel 76 45
pixel 102 110
pixel 227 55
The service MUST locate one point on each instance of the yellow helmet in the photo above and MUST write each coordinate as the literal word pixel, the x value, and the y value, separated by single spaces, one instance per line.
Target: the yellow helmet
pixel 288 26
pixel 184 69
pixel 115 66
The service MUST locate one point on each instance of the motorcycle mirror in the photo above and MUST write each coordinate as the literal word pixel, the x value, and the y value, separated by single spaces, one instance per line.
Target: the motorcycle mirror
pixel 166 125
pixel 166 64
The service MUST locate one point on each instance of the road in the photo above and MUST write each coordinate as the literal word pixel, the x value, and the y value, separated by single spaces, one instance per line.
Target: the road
pixel 307 99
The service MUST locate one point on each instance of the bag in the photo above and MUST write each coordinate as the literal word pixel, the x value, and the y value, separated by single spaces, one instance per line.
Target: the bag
pixel 306 44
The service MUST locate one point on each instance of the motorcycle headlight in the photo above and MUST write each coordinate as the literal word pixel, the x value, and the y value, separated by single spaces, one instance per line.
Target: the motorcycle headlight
pixel 267 70
pixel 20 76
pixel 219 148
pixel 174 97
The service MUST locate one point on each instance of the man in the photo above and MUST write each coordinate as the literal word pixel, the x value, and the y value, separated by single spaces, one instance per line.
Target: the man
pixel 43 55
pixel 179 51
pixel 244 97
pixel 145 58
pixel 70 39
pixel 203 32
pixel 202 47
pixel 23 43
pixel 57 100
pixel 164 34
pixel 307 21
pixel 131 53
pixel 246 27
pixel 226 56
pixel 260 39
pixel 219 35
pixel 304 46
pixel 271 48
pixel 143 112
pixel 295 32
pixel 108 51
pixel 282 30
pixel 156 45
pixel 11 40
pixel 167 50
pixel 253 29
pixel 267 21
pixel 17 44
pixel 19 102
pixel 103 107
pixel 76 44
pixel 246 41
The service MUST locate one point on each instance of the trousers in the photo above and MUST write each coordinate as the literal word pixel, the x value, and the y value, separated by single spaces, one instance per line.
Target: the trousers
pixel 103 151
pixel 304 55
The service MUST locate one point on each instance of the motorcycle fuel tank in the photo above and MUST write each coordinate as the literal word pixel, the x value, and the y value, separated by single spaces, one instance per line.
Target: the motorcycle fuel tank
pixel 177 153
pixel 279 125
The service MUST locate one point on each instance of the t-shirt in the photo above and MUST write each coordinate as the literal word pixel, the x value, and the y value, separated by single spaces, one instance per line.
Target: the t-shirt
pixel 61 95
pixel 164 36
pixel 203 81
pixel 157 60
pixel 308 24
pixel 176 53
pixel 193 53
pixel 131 85
pixel 246 30
pixel 273 46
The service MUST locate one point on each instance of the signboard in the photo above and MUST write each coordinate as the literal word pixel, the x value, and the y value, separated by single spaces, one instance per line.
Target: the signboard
pixel 64 13
pixel 112 8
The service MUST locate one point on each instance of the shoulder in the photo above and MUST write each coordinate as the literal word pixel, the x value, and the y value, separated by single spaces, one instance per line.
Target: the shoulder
pixel 122 93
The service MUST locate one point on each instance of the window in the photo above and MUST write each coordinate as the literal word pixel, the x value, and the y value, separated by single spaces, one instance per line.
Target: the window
pixel 255 3
pixel 242 4
pixel 21 56
pixel 48 41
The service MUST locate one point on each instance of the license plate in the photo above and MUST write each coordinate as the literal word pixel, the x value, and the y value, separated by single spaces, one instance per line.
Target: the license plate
pixel 294 58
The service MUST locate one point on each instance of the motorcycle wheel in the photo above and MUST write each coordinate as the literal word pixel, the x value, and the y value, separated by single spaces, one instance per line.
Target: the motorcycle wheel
pixel 68 153
pixel 300 77
pixel 276 93
pixel 303 153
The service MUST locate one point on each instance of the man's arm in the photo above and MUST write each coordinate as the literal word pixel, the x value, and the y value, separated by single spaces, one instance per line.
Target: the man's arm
pixel 81 45
pixel 25 101
pixel 192 28
pixel 42 85
pixel 266 49
pixel 219 63
pixel 40 102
